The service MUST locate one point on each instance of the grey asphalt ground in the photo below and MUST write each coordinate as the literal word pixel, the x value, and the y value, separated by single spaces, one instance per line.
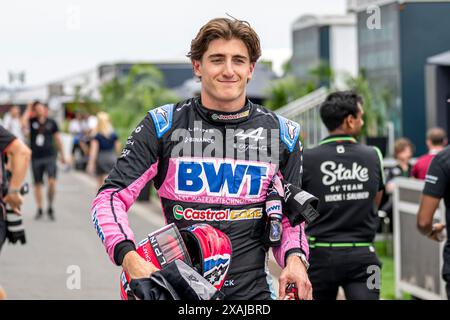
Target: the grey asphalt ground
pixel 59 251
pixel 56 252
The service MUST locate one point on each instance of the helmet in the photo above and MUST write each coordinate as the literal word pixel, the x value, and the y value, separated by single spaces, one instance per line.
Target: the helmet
pixel 201 246
pixel 160 248
pixel 210 252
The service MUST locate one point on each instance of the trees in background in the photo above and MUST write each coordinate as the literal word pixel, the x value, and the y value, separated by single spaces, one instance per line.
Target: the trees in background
pixel 290 88
pixel 127 100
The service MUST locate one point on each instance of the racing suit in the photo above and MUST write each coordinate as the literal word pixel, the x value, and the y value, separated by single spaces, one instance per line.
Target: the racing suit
pixel 212 167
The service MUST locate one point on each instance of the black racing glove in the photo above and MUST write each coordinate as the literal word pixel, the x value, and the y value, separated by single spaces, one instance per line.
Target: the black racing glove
pixel 14 228
pixel 299 205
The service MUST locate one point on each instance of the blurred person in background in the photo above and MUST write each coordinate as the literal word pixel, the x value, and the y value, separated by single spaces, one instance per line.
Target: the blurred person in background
pixel 45 142
pixel 403 152
pixel 77 128
pixel 13 123
pixel 104 148
pixel 436 142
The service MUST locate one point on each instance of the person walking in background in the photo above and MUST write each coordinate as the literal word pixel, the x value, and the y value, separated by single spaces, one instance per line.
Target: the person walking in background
pixel 104 148
pixel 436 142
pixel 13 123
pixel 44 137
pixel 78 127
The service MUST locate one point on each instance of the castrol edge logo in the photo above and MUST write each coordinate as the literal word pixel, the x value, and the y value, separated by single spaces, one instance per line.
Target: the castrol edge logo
pixel 216 215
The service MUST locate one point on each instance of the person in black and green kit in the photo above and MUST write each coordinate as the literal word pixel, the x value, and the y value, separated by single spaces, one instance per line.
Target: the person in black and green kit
pixel 348 179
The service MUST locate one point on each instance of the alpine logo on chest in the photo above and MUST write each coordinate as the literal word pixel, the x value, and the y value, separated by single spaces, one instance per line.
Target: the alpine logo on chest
pixel 220 177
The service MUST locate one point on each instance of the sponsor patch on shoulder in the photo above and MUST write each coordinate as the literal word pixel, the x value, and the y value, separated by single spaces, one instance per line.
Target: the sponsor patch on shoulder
pixel 162 118
pixel 289 131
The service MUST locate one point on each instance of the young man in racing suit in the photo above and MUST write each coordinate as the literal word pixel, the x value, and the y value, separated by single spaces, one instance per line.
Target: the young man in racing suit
pixel 212 159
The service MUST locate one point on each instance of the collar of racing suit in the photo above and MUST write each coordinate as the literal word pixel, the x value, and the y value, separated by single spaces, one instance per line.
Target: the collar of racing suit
pixel 216 117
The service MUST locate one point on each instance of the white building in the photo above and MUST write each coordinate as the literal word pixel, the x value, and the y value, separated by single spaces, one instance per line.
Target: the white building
pixel 327 39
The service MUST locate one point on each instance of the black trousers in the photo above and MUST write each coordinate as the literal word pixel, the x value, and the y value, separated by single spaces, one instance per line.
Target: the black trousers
pixel 446 278
pixel 356 269
pixel 447 287
pixel 2 230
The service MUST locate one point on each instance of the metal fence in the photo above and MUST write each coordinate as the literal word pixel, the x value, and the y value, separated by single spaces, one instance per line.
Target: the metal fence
pixel 305 111
pixel 418 260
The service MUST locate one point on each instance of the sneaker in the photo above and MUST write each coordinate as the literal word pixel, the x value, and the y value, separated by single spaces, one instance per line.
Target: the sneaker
pixel 50 214
pixel 38 214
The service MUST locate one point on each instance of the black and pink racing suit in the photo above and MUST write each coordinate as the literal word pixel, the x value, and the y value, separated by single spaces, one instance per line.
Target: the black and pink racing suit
pixel 212 167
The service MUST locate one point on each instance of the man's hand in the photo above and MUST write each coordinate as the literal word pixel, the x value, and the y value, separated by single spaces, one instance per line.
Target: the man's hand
pixel 136 266
pixel 14 200
pixel 436 233
pixel 295 272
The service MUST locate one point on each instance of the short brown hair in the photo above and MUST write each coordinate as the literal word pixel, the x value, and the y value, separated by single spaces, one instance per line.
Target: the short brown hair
pixel 401 144
pixel 437 136
pixel 224 28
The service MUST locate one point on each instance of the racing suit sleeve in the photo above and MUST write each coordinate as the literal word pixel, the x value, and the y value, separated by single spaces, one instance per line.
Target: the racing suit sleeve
pixel 293 239
pixel 137 165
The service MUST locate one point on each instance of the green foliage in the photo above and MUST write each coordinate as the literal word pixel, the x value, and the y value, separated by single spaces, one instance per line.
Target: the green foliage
pixel 127 100
pixel 290 88
pixel 322 74
pixel 375 105
pixel 82 102
pixel 282 91
pixel 287 67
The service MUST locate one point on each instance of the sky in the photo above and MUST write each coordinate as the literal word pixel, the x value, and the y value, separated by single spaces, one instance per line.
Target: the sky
pixel 51 40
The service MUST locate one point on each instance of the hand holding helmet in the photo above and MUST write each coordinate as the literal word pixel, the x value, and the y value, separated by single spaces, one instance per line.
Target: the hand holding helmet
pixel 193 262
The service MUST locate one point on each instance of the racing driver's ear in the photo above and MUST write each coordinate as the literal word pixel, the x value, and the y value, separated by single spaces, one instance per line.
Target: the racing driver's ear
pixel 196 65
pixel 251 70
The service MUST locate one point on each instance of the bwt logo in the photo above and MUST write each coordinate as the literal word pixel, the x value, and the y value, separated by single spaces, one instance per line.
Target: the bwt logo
pixel 226 177
pixel 273 208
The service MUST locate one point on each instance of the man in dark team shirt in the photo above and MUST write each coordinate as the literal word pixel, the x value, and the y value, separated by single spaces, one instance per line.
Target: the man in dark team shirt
pixel 347 177
pixel 44 139
pixel 437 186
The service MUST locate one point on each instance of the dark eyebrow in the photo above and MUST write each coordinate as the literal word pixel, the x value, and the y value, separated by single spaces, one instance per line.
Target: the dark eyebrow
pixel 218 55
pixel 240 57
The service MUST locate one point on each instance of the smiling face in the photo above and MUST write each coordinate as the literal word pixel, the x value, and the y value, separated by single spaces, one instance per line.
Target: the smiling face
pixel 224 69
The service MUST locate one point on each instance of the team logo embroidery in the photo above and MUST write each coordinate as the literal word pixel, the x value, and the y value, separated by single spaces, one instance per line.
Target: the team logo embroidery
pixel 291 129
pixel 163 114
pixel 162 118
pixel 290 132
